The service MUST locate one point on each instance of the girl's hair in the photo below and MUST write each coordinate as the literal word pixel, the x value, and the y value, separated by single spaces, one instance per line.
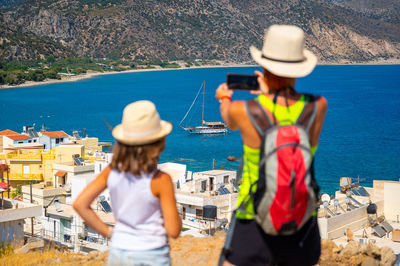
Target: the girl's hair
pixel 137 159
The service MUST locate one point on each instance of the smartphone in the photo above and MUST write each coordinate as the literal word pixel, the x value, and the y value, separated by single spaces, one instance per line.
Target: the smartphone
pixel 242 82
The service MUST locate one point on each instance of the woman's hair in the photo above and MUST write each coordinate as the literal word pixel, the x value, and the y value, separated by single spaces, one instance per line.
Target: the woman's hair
pixel 137 159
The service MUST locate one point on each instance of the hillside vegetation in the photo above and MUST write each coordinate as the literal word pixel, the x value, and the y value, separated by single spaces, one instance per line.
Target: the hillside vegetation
pixel 338 31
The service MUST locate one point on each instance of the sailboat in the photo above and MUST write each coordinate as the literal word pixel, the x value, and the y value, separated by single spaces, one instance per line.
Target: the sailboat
pixel 206 127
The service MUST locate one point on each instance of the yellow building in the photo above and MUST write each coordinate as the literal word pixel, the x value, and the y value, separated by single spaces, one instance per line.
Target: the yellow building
pixel 91 144
pixel 36 165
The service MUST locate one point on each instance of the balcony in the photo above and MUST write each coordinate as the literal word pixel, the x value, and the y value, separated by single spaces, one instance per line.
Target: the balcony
pixel 26 177
pixel 24 157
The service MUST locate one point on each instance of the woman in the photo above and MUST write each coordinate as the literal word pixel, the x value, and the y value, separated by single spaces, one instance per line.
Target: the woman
pixel 283 59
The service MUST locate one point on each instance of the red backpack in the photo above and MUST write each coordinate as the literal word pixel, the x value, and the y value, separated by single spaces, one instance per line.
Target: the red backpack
pixel 286 194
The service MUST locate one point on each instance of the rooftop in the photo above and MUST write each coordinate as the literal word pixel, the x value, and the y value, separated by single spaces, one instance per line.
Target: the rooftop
pixel 67 211
pixel 8 132
pixel 216 172
pixel 18 137
pixel 55 134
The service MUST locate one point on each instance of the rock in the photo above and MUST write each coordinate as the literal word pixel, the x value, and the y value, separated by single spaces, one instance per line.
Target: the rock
pixel 350 250
pixel 373 251
pixel 387 256
pixel 368 261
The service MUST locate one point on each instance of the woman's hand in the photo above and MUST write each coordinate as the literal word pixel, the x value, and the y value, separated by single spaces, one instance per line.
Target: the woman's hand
pixel 262 83
pixel 223 92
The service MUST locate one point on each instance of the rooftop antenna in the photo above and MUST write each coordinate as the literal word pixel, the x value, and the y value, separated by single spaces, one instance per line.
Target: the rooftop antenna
pixel 84 133
pixel 107 124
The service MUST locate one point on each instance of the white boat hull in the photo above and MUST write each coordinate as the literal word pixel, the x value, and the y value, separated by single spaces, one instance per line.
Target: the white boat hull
pixel 205 130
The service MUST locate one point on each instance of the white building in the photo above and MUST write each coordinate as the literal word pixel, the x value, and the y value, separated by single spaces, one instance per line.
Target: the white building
pixel 62 224
pixel 205 191
pixel 12 215
pixel 51 139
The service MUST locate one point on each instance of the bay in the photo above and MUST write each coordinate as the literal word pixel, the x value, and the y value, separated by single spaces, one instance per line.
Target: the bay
pixel 360 137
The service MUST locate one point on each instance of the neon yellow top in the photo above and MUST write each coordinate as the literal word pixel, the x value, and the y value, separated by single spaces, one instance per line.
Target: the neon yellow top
pixel 251 157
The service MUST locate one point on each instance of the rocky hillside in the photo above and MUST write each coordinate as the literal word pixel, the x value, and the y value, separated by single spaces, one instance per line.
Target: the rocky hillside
pixel 339 31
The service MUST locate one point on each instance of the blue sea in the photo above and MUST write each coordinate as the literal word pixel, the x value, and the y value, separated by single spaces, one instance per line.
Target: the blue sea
pixel 360 137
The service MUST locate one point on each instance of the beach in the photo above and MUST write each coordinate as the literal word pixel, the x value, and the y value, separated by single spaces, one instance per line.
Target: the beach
pixel 91 74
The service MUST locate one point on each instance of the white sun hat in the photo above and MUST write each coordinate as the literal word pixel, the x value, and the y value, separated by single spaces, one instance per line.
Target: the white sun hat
pixel 141 124
pixel 283 52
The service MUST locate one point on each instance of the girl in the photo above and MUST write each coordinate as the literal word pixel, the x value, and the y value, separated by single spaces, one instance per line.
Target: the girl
pixel 142 198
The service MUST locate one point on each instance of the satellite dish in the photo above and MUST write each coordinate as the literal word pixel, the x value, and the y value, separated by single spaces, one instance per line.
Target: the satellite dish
pixel 325 198
pixel 326 204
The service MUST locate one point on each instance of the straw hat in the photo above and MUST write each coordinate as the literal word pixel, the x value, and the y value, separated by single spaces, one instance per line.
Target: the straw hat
pixel 141 124
pixel 283 52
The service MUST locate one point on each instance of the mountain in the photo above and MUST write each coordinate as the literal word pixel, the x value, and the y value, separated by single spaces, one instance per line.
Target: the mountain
pixel 338 31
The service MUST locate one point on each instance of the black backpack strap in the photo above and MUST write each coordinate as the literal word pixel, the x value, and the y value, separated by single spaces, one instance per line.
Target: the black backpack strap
pixel 309 112
pixel 257 116
pixel 227 245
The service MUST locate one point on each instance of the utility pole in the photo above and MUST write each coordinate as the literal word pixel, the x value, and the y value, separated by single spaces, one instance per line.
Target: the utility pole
pixel 213 164
pixel 30 190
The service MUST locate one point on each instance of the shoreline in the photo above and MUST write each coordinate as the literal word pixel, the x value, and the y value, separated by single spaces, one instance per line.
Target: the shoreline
pixel 94 74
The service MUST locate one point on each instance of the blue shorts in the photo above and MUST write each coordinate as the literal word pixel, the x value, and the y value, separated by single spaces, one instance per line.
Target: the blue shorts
pixel 158 256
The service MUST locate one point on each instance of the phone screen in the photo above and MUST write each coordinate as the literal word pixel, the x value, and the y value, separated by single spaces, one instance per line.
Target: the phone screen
pixel 242 82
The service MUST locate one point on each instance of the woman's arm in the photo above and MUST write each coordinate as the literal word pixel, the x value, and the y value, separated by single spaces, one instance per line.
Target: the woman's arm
pixel 315 130
pixel 87 196
pixel 163 188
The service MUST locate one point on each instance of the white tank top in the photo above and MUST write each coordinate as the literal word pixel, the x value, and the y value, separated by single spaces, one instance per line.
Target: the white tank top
pixel 140 225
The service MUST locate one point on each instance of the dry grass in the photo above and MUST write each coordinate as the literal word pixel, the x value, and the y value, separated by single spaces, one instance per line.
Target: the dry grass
pixel 53 257
pixel 188 250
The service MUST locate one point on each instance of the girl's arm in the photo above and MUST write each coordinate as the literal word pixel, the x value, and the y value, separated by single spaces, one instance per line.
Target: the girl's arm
pixel 87 196
pixel 163 188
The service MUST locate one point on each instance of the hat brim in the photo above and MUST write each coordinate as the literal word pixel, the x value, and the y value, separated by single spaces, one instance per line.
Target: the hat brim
pixel 284 69
pixel 118 134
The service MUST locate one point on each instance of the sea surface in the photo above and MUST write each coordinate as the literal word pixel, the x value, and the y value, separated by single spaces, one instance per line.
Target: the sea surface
pixel 360 137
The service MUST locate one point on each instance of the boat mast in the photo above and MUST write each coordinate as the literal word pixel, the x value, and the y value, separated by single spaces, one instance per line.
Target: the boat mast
pixel 202 113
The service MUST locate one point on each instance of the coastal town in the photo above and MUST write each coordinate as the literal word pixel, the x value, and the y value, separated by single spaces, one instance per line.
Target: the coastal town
pixel 42 173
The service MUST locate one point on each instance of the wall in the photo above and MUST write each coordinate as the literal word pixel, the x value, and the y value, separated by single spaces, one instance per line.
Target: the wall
pixel 45 140
pixel 89 143
pixel 42 195
pixel 12 232
pixel 334 227
pixel 79 182
pixel 64 152
pixel 392 201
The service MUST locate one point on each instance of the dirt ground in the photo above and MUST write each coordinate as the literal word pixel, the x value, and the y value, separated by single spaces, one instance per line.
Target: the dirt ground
pixel 189 250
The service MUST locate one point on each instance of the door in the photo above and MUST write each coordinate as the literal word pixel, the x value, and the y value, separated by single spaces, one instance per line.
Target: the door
pixel 211 183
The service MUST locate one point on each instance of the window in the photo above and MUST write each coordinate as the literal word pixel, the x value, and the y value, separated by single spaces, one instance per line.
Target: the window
pixel 199 214
pixel 226 179
pixel 29 141
pixel 20 142
pixel 34 140
pixel 204 185
pixel 57 140
pixel 61 139
pixel 26 169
